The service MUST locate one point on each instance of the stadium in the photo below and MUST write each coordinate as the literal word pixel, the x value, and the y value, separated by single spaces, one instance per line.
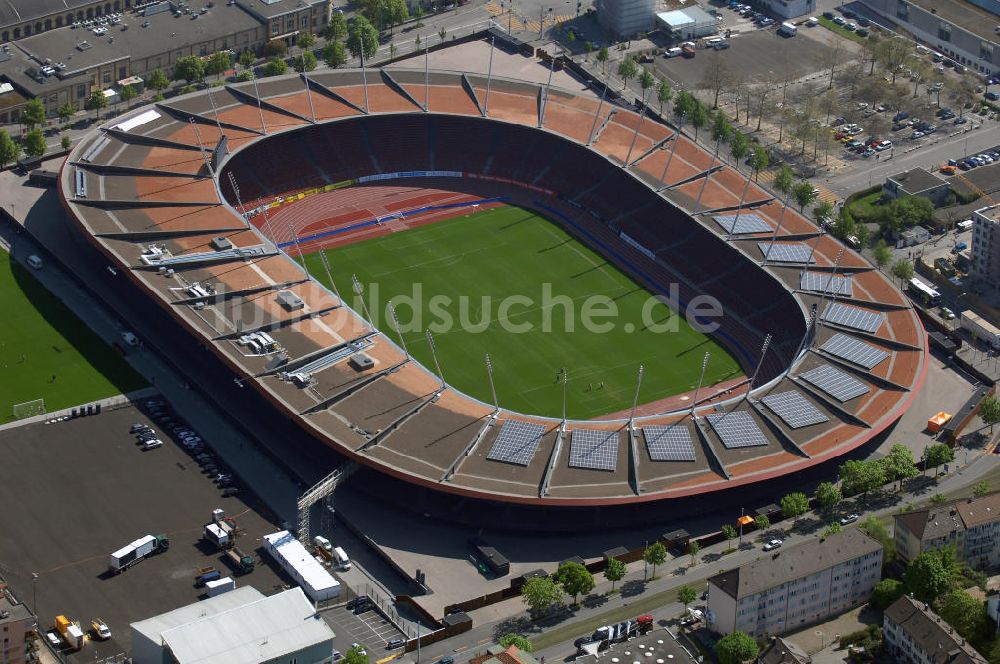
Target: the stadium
pixel 262 217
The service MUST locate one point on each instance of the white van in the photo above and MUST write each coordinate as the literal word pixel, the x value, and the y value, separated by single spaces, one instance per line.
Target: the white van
pixel 323 543
pixel 672 52
pixel 965 225
pixel 712 42
pixel 343 562
pixel 34 262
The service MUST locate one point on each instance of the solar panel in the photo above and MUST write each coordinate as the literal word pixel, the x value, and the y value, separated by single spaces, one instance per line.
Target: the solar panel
pixel 747 222
pixel 854 350
pixel 794 409
pixel 786 252
pixel 820 282
pixel 594 449
pixel 854 317
pixel 839 384
pixel 517 442
pixel 737 429
pixel 668 443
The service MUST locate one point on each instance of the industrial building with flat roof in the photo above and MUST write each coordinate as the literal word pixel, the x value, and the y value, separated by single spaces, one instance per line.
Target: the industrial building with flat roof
pixel 688 23
pixel 239 626
pixel 800 586
pixel 16 624
pixel 972 526
pixel 986 245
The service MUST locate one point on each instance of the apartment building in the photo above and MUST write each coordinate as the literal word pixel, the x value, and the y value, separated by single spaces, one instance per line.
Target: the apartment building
pixel 16 624
pixel 986 245
pixel 914 634
pixel 285 19
pixel 795 587
pixel 972 526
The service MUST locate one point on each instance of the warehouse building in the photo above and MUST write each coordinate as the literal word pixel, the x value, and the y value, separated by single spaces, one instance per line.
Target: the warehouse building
pixel 239 626
pixel 688 23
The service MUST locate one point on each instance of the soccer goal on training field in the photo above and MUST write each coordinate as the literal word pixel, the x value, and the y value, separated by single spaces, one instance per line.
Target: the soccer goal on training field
pixel 29 409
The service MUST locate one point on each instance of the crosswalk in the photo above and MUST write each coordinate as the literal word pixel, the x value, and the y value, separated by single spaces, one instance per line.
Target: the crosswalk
pixel 826 195
pixel 501 14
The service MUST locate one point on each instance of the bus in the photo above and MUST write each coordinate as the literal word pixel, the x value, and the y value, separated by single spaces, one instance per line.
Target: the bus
pixel 923 293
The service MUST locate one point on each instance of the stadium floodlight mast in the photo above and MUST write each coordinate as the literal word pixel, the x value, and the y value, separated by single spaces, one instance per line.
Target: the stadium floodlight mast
pixel 302 257
pixel 597 114
pixel 267 225
pixel 329 275
pixel 777 229
pixel 239 201
pixel 565 381
pixel 760 362
pixel 829 281
pixel 739 208
pixel 427 78
pixel 493 388
pixel 437 364
pixel 364 75
pixel 305 77
pixel 635 136
pixel 545 93
pixel 489 79
pixel 708 176
pixel 396 326
pixel 673 151
pixel 201 145
pixel 215 112
pixel 810 328
pixel 260 109
pixel 635 399
pixel 812 252
pixel 704 365
pixel 359 291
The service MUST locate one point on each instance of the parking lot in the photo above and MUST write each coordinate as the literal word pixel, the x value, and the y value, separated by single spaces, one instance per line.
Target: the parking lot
pixel 75 491
pixel 368 629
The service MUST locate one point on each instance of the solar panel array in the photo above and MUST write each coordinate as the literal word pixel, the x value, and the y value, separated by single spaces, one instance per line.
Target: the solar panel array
pixel 820 282
pixel 668 443
pixel 517 442
pixel 745 223
pixel 854 317
pixel 839 384
pixel 854 350
pixel 794 409
pixel 594 449
pixel 787 252
pixel 737 429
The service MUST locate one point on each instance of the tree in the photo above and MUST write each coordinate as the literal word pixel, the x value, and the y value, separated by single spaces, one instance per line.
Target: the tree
pixel 882 254
pixel 305 62
pixel 33 114
pixel 739 147
pixel 95 102
pixel 784 179
pixel 574 579
pixel 966 614
pixel 602 57
pixel 877 530
pixel 834 57
pixel 65 112
pixel 729 532
pixel 823 212
pixel 8 148
pixel 189 68
pixel 663 93
pixel 981 489
pixel 803 194
pixel 356 656
pixel 34 143
pixel 442 33
pixel 939 499
pixel 361 32
pixel 926 577
pixel 127 94
pixel 274 49
pixel 989 410
pixel 627 69
pixel 758 160
pixel 995 653
pixel 736 648
pixel 899 464
pixel 721 129
pixel 683 104
pixel 65 142
pixel 794 505
pixel 275 67
pixel 902 269
pixel 305 40
pixel 861 476
pixel 334 54
pixel 392 50
pixel 827 495
pixel 247 58
pixel 717 77
pixel 157 80
pixel 655 554
pixel 416 43
pixel 218 64
pixel 886 592
pixel 762 522
pixel 614 571
pixel 832 529
pixel 542 594
pixel 937 455
pixel 699 116
pixel 693 549
pixel 646 81
pixel 336 29
pixel 686 595
pixel 521 642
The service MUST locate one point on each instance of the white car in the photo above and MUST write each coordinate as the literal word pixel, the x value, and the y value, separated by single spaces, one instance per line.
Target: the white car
pixel 773 544
pixel 947 313
pixel 152 444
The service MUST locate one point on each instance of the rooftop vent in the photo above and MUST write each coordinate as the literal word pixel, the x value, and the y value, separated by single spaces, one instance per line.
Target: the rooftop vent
pixel 361 362
pixel 83 46
pixel 290 301
pixel 221 244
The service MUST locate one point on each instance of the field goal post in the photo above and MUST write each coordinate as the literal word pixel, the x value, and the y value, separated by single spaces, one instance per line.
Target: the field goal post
pixel 381 221
pixel 29 409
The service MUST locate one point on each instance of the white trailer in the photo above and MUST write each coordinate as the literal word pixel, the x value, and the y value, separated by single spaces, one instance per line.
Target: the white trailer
pixel 789 29
pixel 980 328
pixel 129 555
pixel 289 553
pixel 219 586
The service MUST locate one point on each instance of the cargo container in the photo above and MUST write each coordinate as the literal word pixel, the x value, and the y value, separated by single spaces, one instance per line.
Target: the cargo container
pixel 129 555
pixel 300 564
pixel 203 579
pixel 980 328
pixel 70 632
pixel 490 557
pixel 219 586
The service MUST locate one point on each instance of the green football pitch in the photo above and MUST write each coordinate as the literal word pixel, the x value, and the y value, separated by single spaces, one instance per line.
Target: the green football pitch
pixel 510 283
pixel 47 353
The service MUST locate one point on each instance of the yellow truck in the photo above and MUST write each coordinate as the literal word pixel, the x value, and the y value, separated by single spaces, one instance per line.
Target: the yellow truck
pixel 70 632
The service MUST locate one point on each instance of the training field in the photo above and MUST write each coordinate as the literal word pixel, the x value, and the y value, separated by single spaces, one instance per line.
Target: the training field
pixel 40 338
pixel 469 269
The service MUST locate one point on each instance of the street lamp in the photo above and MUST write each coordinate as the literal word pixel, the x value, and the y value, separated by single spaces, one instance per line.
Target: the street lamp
pixel 34 593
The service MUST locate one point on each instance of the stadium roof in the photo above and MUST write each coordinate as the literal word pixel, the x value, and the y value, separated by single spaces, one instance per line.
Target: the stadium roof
pixel 859 384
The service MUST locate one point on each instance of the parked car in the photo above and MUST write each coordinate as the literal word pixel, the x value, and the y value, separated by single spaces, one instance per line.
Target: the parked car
pixel 947 313
pixel 773 544
pixel 230 491
pixel 850 518
pixel 392 644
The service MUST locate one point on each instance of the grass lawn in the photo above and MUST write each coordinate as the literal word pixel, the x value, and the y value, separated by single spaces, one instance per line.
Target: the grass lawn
pixel 466 273
pixel 40 338
pixel 866 206
pixel 840 30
